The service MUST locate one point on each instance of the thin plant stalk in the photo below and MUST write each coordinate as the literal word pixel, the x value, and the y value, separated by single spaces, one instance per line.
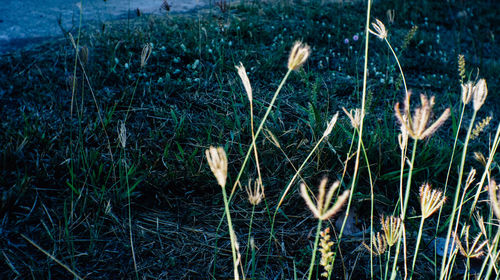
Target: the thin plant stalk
pixel 131 237
pixel 399 65
pixel 448 176
pixel 491 156
pixel 249 234
pixel 231 231
pixel 405 206
pixel 259 129
pixel 388 260
pixel 361 123
pixel 315 248
pixel 419 237
pixel 457 193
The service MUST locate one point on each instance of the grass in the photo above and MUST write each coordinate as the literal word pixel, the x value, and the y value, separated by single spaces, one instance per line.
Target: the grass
pixel 76 199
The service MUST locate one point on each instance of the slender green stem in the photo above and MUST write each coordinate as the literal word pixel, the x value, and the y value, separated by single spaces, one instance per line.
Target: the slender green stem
pixel 313 257
pixel 419 237
pixel 249 233
pixel 399 65
pixel 405 206
pixel 387 261
pixel 457 194
pixel 259 129
pixel 231 232
pixel 130 216
pixel 361 125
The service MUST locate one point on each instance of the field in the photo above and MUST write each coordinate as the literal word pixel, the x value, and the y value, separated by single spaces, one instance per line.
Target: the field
pixel 109 144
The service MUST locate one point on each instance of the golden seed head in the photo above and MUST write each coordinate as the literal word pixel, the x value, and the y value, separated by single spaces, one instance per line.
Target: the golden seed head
pixel 480 158
pixel 391 226
pixel 390 15
pixel 326 252
pixel 467 92
pixel 146 53
pixel 331 124
pixel 255 192
pixel 480 126
pixel 217 160
pixel 379 28
pixel 354 116
pixel 122 135
pixel 494 197
pixel 298 56
pixel 417 126
pixel 474 250
pixel 242 72
pixel 321 210
pixel 470 179
pixel 430 200
pixel 480 92
pixel 379 245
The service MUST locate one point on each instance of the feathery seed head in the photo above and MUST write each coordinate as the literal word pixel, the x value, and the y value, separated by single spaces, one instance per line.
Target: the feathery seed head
pixel 430 200
pixel 217 160
pixel 326 252
pixel 146 52
pixel 255 193
pixel 298 56
pixel 322 210
pixel 417 126
pixel 331 124
pixel 478 156
pixel 480 92
pixel 122 135
pixel 354 116
pixel 473 250
pixel 494 197
pixel 379 28
pixel 242 72
pixel 467 92
pixel 391 227
pixel 379 245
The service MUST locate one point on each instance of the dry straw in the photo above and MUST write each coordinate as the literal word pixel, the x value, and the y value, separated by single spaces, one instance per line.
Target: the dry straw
pixel 321 210
pixel 417 126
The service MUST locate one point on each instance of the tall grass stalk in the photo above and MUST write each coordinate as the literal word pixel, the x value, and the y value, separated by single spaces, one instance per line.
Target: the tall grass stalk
pixel 259 129
pixel 361 123
pixel 457 194
pixel 403 210
pixel 315 248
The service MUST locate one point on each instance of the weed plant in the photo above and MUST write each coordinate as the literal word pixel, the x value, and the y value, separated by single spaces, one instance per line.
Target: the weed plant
pixel 327 165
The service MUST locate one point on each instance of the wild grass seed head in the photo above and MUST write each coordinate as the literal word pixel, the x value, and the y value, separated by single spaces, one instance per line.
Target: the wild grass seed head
pixel 242 72
pixel 467 92
pixel 298 56
pixel 391 226
pixel 354 116
pixel 474 250
pixel 322 209
pixel 379 28
pixel 217 160
pixel 379 245
pixel 430 200
pixel 145 54
pixel 326 252
pixel 480 92
pixel 255 191
pixel 331 124
pixel 417 125
pixel 494 197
